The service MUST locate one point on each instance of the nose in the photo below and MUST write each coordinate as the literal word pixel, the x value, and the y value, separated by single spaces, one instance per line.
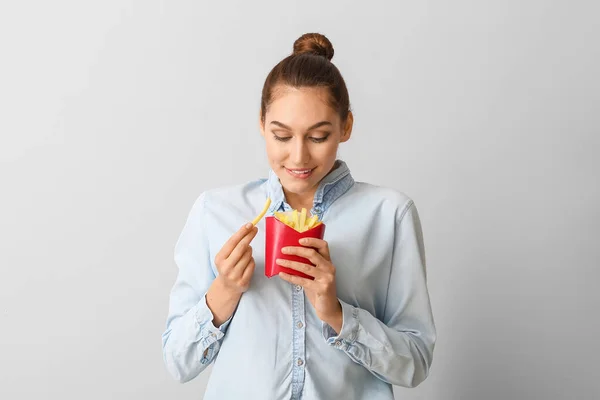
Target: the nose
pixel 300 153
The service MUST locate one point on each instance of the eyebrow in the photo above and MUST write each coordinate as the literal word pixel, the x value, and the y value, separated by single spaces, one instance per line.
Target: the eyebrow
pixel 315 126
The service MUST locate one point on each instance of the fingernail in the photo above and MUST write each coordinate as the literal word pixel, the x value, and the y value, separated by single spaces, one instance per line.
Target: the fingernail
pixel 249 225
pixel 284 250
pixel 303 240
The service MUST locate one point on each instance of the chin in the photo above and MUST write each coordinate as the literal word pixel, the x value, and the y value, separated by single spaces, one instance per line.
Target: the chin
pixel 295 186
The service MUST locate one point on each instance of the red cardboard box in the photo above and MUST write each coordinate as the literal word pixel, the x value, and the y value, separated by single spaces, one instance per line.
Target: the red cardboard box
pixel 278 236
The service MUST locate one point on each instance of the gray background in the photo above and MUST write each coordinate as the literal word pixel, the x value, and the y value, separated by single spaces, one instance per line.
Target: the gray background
pixel 115 115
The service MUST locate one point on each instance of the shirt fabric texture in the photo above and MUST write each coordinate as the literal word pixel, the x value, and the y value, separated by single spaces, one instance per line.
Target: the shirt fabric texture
pixel 274 346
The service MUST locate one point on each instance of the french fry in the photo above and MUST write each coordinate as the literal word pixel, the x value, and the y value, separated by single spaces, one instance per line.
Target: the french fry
pixel 312 221
pixel 263 212
pixel 300 221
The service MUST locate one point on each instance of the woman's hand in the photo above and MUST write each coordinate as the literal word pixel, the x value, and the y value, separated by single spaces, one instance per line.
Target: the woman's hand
pixel 321 291
pixel 236 267
pixel 235 262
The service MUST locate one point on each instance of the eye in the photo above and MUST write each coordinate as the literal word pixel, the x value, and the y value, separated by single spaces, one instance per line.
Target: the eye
pixel 281 139
pixel 319 140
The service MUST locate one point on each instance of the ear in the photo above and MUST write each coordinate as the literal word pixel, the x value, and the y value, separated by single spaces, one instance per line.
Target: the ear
pixel 347 132
pixel 261 125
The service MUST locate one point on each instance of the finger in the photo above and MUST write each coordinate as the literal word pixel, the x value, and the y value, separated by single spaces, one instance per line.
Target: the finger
pixel 242 245
pixel 309 253
pixel 233 241
pixel 249 271
pixel 298 266
pixel 319 244
pixel 239 268
pixel 297 280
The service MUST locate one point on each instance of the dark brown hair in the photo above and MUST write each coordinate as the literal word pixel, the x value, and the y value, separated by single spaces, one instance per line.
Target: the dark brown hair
pixel 308 66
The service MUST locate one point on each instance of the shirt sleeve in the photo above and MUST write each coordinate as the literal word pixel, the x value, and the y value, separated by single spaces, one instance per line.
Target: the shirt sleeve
pixel 191 341
pixel 399 348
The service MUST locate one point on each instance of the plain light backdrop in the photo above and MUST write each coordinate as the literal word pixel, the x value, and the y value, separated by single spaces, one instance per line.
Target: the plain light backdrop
pixel 116 115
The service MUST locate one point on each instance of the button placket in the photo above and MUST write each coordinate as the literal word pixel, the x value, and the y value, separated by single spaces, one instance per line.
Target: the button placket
pixel 298 345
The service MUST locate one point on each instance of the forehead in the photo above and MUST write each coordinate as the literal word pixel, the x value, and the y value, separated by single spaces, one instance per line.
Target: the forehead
pixel 300 106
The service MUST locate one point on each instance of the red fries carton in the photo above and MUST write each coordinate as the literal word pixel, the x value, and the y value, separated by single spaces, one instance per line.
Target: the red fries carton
pixel 286 229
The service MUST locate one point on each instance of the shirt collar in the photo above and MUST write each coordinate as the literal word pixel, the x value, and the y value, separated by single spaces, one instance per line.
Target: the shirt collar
pixel 331 187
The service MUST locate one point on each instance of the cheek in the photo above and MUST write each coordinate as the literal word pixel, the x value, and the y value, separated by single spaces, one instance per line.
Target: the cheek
pixel 325 151
pixel 275 152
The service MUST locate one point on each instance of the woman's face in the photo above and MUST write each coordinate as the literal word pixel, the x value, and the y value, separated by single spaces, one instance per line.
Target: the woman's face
pixel 302 135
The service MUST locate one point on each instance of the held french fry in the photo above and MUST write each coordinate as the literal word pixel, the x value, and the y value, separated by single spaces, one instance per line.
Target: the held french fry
pixel 263 212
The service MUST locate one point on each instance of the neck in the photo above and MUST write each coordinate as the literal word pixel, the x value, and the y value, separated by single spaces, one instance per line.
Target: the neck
pixel 300 201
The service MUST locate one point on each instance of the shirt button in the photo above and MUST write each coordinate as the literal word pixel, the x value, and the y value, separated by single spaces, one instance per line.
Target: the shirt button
pixel 300 362
pixel 338 343
pixel 298 288
pixel 300 324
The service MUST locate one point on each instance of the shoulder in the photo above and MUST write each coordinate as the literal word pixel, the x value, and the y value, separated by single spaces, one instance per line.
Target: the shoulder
pixel 230 197
pixel 232 192
pixel 387 199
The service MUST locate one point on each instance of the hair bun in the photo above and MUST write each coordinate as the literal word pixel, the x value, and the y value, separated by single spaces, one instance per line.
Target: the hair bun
pixel 314 43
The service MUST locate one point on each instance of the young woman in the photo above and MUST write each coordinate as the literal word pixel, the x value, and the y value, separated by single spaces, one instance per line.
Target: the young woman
pixel 363 324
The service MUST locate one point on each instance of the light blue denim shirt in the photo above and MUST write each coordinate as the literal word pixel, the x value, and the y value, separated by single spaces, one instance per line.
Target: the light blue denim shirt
pixel 274 346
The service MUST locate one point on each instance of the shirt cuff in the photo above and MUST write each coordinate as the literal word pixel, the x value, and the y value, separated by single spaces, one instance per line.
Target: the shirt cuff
pixel 349 331
pixel 208 331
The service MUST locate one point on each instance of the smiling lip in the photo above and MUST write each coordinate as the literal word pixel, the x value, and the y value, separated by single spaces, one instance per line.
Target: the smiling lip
pixel 300 173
